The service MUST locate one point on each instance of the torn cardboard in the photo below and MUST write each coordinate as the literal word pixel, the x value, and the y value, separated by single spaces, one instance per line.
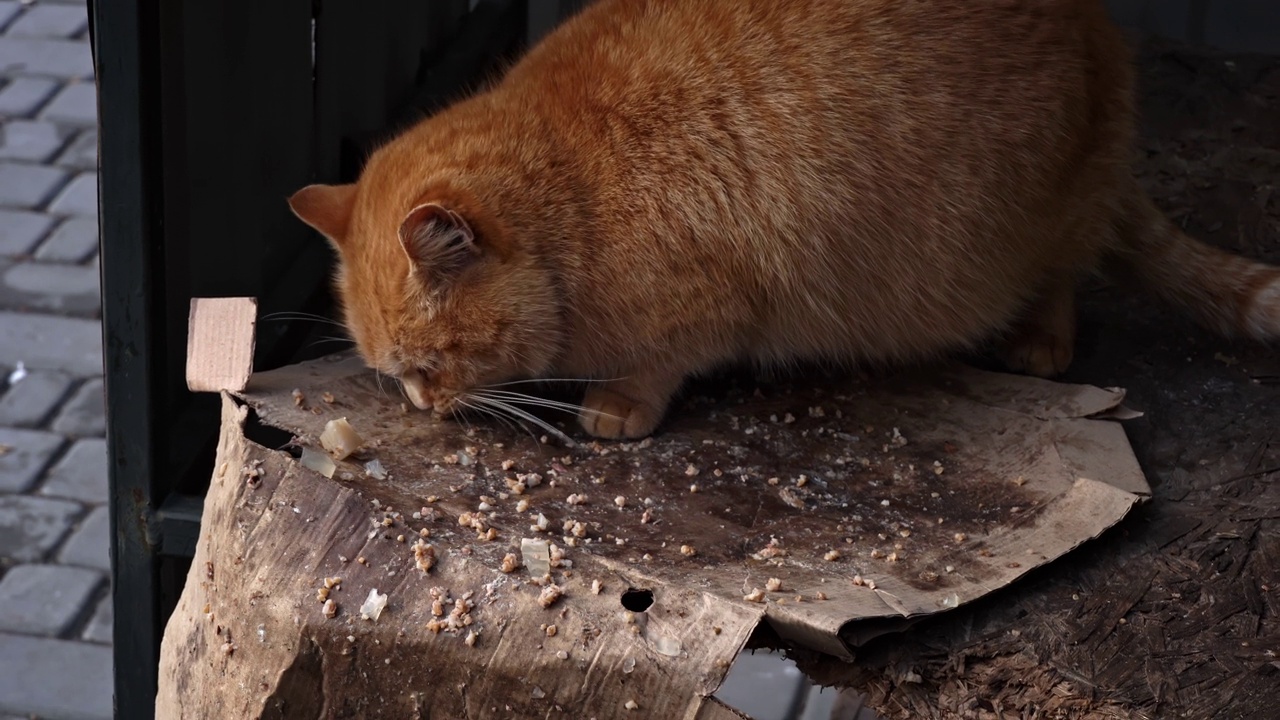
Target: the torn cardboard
pixel 864 506
pixel 220 343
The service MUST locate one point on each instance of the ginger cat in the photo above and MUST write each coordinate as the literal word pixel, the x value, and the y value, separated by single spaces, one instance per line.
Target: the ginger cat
pixel 663 186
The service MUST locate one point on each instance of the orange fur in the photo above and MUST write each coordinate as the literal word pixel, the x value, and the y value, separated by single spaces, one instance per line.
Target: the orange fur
pixel 662 186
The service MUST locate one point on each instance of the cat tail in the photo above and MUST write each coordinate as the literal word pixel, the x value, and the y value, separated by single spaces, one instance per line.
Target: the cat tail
pixel 1226 293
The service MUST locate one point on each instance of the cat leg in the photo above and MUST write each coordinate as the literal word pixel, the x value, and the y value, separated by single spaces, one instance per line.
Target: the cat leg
pixel 630 407
pixel 1043 342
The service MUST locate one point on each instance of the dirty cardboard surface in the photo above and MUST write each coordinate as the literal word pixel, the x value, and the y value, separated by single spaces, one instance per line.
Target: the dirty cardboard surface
pixel 220 342
pixel 932 492
pixel 988 475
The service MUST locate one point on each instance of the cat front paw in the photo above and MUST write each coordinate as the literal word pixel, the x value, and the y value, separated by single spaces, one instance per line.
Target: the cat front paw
pixel 609 414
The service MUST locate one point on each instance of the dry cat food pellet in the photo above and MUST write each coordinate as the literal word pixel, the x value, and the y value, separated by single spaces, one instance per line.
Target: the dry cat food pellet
pixel 549 595
pixel 550 630
pixel 424 556
pixel 333 582
pixel 322 594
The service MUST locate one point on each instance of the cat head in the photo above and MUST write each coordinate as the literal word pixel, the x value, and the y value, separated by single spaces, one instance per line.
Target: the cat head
pixel 435 292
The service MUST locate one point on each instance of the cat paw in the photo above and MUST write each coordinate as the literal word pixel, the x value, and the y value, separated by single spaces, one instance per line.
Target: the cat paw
pixel 1040 354
pixel 609 414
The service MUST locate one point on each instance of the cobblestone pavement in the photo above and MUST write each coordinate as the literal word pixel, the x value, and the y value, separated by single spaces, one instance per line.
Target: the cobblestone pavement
pixel 55 614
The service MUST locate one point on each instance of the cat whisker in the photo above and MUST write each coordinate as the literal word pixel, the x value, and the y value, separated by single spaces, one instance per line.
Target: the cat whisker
pixel 486 412
pixel 294 316
pixel 522 399
pixel 517 413
pixel 535 381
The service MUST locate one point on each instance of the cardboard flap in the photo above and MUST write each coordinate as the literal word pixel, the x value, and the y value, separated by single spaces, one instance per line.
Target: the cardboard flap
pixel 220 343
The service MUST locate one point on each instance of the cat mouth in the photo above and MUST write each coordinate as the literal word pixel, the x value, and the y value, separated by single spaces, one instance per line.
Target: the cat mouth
pixel 425 398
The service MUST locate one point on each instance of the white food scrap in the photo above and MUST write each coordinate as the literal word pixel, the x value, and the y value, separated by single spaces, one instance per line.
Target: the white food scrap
pixel 373 606
pixel 340 439
pixel 549 595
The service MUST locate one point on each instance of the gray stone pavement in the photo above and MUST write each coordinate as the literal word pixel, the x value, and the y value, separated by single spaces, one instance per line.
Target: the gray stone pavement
pixel 55 611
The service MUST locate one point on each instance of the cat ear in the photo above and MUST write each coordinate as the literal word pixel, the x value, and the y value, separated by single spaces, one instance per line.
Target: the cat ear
pixel 327 208
pixel 438 241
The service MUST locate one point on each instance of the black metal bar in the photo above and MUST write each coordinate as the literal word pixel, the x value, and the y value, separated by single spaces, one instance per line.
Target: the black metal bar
pixel 179 522
pixel 128 201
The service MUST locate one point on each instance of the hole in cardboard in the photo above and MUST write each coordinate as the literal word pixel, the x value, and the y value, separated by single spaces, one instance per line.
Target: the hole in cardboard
pixel 267 436
pixel 637 600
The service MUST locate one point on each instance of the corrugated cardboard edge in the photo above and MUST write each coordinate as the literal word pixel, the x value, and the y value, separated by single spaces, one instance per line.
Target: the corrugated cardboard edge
pixel 220 343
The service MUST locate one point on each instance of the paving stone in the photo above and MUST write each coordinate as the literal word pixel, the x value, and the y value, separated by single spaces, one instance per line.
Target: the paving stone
pixel 81 474
pixel 74 241
pixel 44 599
pixel 27 454
pixel 42 57
pixel 51 287
pixel 85 413
pixel 81 153
pixel 31 140
pixel 79 197
pixel 23 96
pixel 75 104
pixel 28 186
pixel 20 230
pixel 763 684
pixel 32 526
pixel 99 628
pixel 55 679
pixel 49 342
pixel 89 545
pixel 50 21
pixel 8 10
pixel 30 402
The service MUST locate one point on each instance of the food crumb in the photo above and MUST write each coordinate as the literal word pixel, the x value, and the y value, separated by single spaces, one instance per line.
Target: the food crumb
pixel 820 595
pixel 691 470
pixel 831 556
pixel 773 585
pixel 549 595
pixel 576 499
pixel 424 555
pixel 470 639
pixel 510 563
pixel 802 481
pixel 298 397
pixel 330 608
pixel 959 538
pixel 688 551
pixel 550 630
pixel 596 587
pixel 693 488
pixel 620 501
pixel 631 705
pixel 522 506
pixel 756 596
pixel 327 397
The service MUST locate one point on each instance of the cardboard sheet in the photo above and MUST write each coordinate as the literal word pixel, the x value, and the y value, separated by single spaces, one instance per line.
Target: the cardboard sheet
pixel 831 510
